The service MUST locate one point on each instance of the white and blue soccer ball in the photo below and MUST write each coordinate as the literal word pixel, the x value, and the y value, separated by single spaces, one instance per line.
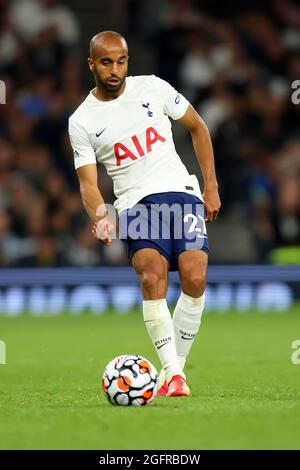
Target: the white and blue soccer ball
pixel 130 380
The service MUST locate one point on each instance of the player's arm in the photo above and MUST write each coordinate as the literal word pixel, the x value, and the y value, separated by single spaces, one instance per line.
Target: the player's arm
pixel 90 194
pixel 204 154
pixel 86 166
pixel 93 202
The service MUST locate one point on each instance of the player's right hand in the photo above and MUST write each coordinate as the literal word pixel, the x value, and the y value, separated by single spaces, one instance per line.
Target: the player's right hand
pixel 102 230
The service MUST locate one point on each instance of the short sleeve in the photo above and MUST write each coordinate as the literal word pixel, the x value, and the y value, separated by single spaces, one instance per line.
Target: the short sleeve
pixel 175 104
pixel 82 149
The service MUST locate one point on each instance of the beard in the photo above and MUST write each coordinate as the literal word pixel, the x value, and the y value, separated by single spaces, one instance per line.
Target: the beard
pixel 106 86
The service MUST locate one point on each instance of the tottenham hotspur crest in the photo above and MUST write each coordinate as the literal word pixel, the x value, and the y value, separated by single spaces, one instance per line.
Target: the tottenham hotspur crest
pixel 147 105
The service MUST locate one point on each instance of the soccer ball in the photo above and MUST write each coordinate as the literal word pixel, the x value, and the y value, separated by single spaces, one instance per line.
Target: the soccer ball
pixel 130 380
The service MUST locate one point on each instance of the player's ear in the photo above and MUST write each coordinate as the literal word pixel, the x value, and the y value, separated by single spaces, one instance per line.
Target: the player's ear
pixel 91 64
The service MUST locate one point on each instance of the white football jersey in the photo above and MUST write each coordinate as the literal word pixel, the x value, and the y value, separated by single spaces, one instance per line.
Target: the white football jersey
pixel 131 136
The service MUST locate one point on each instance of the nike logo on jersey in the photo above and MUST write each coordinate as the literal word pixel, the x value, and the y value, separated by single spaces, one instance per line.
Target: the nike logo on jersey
pixel 98 135
pixel 146 105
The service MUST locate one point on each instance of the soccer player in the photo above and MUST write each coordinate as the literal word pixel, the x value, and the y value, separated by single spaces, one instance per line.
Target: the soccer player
pixel 124 124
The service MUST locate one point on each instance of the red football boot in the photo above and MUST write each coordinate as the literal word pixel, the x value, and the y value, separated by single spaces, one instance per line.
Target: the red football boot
pixel 163 390
pixel 178 387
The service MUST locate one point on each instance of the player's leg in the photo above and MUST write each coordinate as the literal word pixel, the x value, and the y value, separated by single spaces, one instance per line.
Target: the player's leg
pixel 152 270
pixel 190 244
pixel 192 266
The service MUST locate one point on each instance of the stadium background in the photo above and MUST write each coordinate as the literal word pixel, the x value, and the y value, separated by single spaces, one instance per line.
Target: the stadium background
pixel 236 62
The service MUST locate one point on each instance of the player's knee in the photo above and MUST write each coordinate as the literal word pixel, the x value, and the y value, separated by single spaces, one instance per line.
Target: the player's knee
pixel 195 283
pixel 198 281
pixel 149 280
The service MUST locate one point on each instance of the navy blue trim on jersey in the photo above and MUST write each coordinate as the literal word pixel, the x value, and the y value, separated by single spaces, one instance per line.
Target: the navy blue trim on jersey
pixel 170 223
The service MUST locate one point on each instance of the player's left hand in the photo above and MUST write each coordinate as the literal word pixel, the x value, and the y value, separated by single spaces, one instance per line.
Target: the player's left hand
pixel 212 203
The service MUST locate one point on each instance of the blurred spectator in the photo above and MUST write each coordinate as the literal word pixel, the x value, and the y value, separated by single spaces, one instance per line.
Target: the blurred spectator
pixel 31 17
pixel 235 63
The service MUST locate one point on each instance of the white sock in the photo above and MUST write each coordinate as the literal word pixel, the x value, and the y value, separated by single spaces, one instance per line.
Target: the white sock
pixel 186 320
pixel 160 328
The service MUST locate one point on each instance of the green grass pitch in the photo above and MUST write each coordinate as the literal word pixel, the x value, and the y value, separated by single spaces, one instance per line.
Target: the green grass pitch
pixel 245 389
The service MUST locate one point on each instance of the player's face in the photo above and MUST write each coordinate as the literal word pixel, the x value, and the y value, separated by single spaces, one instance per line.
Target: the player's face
pixel 110 68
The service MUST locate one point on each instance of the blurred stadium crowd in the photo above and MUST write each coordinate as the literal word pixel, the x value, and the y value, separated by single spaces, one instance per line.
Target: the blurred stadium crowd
pixel 235 62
